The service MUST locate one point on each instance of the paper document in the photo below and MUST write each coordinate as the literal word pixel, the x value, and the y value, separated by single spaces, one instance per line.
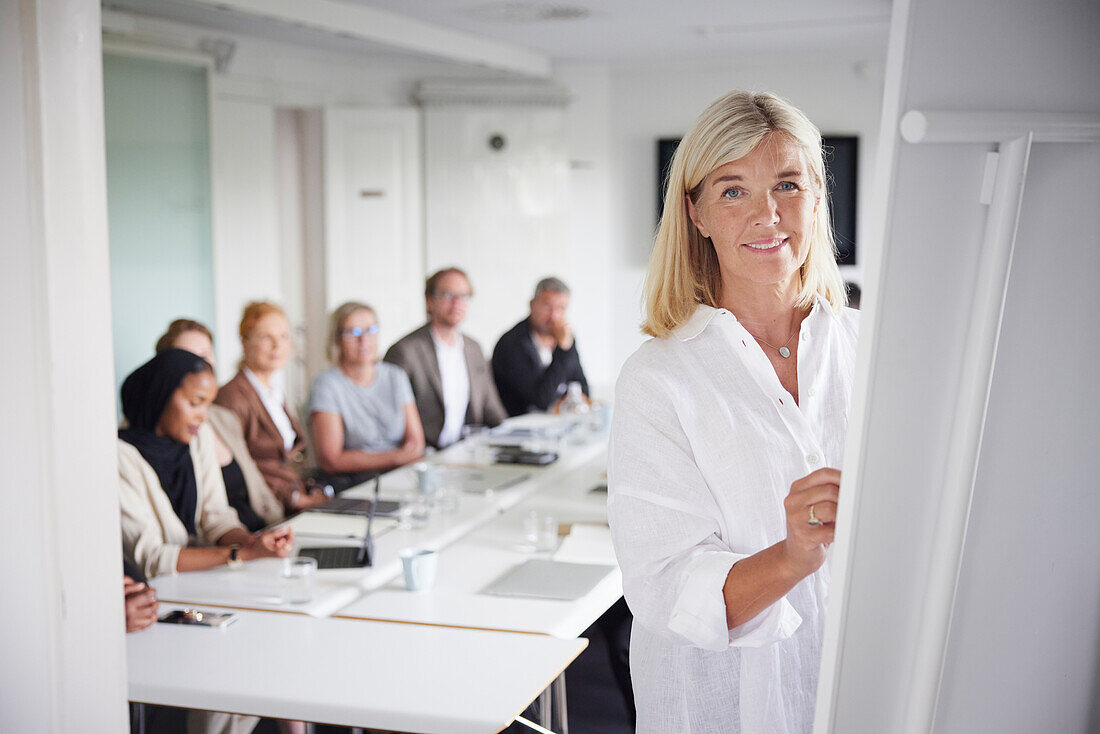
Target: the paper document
pixel 541 578
pixel 587 544
pixel 320 524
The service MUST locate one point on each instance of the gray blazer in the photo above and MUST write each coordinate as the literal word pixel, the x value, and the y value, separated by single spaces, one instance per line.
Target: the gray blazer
pixel 415 353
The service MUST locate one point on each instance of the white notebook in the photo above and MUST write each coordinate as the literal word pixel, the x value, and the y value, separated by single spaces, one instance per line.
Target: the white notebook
pixel 541 578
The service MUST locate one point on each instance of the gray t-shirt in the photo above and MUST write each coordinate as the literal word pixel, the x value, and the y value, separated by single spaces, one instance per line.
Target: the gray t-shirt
pixel 374 414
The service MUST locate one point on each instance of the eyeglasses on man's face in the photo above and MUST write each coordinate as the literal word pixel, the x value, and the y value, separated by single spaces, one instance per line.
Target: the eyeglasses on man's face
pixel 452 296
pixel 358 333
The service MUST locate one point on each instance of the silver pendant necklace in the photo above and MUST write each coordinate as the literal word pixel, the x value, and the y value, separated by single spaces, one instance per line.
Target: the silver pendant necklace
pixel 783 351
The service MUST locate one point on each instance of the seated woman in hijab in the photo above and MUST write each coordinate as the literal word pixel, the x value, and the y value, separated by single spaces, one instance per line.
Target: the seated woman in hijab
pixel 245 487
pixel 175 516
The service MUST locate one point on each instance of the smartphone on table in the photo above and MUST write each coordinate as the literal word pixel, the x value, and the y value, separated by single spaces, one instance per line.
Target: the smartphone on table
pixel 199 618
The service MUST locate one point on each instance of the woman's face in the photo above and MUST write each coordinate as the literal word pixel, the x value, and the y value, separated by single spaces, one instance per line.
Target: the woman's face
pixel 359 338
pixel 186 409
pixel 758 212
pixel 197 343
pixel 267 346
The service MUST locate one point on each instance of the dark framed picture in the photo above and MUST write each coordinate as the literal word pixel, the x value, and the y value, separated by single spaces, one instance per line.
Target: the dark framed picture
pixel 666 147
pixel 842 174
pixel 842 178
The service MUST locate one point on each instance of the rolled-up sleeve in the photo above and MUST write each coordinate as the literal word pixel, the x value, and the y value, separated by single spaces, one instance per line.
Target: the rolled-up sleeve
pixel 666 528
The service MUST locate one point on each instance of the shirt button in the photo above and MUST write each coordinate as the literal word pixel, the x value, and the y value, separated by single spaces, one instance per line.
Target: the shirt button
pixel 811 392
pixel 805 336
pixel 813 459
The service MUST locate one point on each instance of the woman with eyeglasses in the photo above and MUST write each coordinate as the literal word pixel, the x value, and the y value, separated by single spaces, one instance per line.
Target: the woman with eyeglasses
pixel 362 412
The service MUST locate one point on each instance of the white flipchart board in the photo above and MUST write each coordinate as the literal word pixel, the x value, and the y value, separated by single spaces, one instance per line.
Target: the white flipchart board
pixel 966 572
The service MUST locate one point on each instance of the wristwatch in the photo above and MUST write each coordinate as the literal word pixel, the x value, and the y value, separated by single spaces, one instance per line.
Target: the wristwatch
pixel 235 561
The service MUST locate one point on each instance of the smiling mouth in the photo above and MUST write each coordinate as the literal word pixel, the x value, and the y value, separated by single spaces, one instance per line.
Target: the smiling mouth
pixel 767 245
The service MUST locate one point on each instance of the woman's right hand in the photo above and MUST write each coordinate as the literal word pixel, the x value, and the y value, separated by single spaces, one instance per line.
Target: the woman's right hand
pixel 141 604
pixel 806 544
pixel 276 543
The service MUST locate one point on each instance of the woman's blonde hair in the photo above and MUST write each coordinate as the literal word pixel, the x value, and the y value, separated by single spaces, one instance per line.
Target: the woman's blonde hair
pixel 336 325
pixel 683 269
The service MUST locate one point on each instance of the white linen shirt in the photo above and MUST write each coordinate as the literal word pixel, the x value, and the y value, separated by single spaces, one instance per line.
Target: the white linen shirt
pixel 274 400
pixel 705 444
pixel 455 378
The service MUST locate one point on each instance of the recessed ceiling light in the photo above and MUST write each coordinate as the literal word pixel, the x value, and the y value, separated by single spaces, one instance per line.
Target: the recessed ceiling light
pixel 521 12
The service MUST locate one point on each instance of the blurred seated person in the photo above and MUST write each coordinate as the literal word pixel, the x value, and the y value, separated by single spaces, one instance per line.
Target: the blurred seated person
pixel 362 411
pixel 245 488
pixel 274 437
pixel 450 377
pixel 140 598
pixel 854 293
pixel 175 516
pixel 534 362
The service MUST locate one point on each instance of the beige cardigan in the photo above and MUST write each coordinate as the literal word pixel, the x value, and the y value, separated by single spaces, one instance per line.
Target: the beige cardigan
pixel 228 427
pixel 152 535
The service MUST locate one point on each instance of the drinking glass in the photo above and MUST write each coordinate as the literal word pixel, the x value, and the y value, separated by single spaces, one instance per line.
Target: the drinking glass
pixel 297 579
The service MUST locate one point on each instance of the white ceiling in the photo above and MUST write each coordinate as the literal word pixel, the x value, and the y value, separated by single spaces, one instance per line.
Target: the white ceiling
pixel 623 32
pixel 616 33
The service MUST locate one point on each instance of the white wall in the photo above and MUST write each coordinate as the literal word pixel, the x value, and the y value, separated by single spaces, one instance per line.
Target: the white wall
pixel 63 664
pixel 610 129
pixel 840 97
pixel 497 214
pixel 590 216
pixel 247 256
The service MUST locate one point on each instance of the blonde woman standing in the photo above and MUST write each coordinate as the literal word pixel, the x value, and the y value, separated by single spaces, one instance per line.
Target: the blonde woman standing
pixel 729 427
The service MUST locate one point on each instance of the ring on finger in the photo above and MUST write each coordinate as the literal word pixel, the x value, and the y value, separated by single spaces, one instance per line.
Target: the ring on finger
pixel 813 517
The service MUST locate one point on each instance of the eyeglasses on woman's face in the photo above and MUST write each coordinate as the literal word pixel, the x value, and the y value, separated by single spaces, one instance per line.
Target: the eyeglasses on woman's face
pixel 359 332
pixel 451 296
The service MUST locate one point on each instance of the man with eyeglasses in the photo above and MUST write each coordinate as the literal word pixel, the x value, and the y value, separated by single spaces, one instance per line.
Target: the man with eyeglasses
pixel 451 379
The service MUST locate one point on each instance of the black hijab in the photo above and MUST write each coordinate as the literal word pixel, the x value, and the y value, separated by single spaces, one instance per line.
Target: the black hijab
pixel 145 395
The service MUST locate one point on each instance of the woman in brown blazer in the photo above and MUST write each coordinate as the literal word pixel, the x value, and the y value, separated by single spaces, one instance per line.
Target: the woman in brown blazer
pixel 274 437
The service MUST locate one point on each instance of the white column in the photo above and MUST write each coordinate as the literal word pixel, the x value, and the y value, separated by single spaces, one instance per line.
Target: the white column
pixel 63 663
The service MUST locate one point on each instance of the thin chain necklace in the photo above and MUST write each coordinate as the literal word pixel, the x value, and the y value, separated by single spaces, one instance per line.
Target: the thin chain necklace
pixel 783 351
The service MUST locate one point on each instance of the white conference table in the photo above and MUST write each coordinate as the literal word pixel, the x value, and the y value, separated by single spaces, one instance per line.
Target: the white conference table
pixel 470 564
pixel 257 585
pixel 478 541
pixel 347 672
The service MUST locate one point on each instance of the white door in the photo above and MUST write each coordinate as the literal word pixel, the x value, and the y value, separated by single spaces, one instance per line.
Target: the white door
pixel 374 247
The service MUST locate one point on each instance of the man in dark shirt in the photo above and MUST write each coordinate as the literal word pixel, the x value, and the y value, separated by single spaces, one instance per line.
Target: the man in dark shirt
pixel 534 362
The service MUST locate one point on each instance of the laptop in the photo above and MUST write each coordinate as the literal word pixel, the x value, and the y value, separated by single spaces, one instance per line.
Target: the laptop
pixel 348 556
pixel 517 455
pixel 352 506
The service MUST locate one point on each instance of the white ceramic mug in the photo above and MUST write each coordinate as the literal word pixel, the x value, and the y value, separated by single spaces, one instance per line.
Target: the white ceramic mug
pixel 427 480
pixel 419 567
